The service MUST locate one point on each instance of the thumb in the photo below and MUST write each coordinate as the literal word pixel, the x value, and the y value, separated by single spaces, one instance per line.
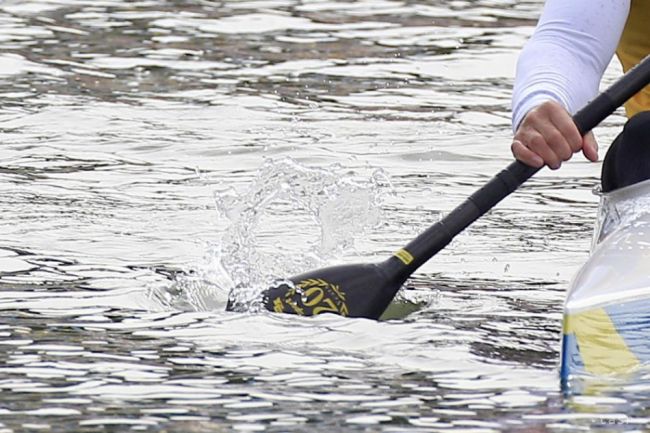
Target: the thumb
pixel 590 147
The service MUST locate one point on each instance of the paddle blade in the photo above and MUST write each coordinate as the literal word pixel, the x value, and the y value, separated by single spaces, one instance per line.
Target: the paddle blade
pixel 361 290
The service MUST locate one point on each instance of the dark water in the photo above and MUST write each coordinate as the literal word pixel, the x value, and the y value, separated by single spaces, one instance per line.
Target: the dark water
pixel 155 154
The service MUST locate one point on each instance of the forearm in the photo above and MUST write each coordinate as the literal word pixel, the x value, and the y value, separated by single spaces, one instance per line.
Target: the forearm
pixel 568 53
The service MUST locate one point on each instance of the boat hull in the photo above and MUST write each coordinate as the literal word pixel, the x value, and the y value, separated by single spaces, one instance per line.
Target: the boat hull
pixel 606 327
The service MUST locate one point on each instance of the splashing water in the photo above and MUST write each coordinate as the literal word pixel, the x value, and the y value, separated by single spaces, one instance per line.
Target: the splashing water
pixel 331 207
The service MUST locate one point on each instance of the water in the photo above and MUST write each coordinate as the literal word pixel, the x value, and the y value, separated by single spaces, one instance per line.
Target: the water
pixel 156 154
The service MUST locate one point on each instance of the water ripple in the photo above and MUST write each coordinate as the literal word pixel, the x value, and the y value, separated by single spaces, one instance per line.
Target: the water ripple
pixel 340 127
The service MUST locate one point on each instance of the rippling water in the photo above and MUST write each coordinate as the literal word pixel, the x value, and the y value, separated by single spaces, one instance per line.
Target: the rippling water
pixel 156 154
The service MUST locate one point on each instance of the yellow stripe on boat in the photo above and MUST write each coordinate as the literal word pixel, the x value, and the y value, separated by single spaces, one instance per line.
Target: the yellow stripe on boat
pixel 602 349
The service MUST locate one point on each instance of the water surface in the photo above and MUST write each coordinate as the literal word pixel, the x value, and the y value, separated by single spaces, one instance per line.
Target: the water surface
pixel 156 154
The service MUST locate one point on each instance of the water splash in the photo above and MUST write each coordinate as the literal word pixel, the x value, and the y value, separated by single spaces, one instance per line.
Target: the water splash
pixel 291 218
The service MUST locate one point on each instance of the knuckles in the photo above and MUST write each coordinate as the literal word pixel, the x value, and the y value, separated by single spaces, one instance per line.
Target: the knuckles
pixel 546 132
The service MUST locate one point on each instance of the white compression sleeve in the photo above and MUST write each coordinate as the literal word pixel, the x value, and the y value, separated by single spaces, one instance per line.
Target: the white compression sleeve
pixel 568 53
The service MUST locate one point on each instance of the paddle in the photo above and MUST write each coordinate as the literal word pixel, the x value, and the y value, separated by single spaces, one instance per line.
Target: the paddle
pixel 365 290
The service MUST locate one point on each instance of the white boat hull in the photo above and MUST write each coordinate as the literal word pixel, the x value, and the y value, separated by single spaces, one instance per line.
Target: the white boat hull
pixel 606 326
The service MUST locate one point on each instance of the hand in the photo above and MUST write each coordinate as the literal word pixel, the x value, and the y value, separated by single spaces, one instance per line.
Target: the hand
pixel 547 135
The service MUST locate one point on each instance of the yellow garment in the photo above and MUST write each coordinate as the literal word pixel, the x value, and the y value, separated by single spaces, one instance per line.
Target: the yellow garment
pixel 633 47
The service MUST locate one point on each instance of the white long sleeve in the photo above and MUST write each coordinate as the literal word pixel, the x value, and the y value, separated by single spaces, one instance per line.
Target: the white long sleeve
pixel 568 53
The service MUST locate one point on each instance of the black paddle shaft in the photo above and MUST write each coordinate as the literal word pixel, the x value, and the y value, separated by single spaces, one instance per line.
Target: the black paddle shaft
pixel 436 237
pixel 365 290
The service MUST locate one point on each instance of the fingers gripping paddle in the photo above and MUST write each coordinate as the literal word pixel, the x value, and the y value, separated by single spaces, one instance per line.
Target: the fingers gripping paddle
pixel 365 290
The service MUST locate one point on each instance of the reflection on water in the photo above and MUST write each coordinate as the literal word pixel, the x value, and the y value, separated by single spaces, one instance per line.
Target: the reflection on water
pixel 364 122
